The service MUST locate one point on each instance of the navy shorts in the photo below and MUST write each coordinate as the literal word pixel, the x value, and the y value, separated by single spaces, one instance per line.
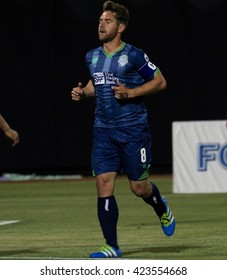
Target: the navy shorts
pixel 122 149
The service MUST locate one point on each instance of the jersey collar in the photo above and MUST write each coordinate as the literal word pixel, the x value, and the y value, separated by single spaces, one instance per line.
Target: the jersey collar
pixel 113 53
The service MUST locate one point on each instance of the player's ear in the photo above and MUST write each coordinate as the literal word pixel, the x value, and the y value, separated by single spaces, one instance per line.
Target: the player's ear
pixel 121 27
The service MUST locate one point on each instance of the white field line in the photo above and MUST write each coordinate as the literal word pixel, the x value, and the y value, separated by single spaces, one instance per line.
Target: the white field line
pixel 3 223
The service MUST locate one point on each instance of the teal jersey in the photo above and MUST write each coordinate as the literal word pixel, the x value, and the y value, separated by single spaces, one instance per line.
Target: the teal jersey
pixel 132 67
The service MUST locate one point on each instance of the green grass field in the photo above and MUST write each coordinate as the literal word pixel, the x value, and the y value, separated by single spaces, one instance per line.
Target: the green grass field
pixel 58 221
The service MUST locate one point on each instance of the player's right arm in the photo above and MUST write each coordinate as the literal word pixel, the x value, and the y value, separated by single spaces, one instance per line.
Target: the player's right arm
pixel 81 92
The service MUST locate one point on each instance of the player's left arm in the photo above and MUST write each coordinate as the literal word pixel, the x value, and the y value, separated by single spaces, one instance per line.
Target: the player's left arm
pixel 158 83
pixel 8 131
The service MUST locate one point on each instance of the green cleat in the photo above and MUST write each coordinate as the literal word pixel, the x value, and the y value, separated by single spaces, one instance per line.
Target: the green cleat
pixel 106 252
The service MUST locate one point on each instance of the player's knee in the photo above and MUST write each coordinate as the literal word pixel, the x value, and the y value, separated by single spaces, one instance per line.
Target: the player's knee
pixel 105 185
pixel 138 188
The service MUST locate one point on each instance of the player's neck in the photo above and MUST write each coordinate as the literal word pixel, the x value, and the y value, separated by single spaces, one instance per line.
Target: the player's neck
pixel 112 47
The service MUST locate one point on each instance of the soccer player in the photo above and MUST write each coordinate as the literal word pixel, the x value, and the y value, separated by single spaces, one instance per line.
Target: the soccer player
pixel 8 131
pixel 121 75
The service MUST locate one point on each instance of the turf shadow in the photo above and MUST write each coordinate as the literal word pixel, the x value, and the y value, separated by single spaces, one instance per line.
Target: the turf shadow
pixel 158 250
pixel 7 253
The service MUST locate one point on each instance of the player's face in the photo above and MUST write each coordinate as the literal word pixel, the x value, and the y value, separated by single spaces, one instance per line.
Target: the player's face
pixel 108 27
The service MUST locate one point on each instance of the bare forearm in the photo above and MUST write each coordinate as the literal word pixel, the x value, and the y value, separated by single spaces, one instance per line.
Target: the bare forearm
pixel 3 124
pixel 153 86
pixel 156 84
pixel 88 90
pixel 9 132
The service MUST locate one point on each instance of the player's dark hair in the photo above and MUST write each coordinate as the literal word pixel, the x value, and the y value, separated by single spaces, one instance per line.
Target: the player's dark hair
pixel 120 11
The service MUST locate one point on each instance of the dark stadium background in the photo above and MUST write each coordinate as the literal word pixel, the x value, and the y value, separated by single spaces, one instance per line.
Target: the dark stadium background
pixel 42 49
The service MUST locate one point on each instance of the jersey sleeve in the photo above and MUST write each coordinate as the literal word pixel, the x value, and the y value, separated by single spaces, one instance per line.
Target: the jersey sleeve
pixel 146 68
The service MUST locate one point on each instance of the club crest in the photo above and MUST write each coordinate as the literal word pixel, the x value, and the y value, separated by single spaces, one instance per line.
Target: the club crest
pixel 123 60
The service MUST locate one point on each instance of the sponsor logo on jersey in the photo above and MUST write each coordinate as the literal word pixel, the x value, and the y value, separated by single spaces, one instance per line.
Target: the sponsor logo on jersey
pixel 123 60
pixel 101 78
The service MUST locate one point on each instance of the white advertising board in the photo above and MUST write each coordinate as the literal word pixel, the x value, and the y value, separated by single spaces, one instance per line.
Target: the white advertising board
pixel 199 156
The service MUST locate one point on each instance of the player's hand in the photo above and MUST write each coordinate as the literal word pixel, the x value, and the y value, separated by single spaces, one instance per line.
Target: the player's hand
pixel 120 91
pixel 77 93
pixel 13 136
